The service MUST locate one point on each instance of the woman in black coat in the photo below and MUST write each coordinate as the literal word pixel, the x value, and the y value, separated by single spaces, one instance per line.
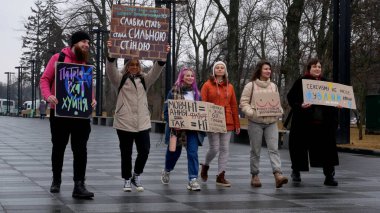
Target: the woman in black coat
pixel 312 133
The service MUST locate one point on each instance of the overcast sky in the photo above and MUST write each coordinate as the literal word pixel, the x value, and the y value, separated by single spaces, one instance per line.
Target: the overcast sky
pixel 12 15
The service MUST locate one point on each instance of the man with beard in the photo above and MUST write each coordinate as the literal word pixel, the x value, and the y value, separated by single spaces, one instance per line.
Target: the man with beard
pixel 62 127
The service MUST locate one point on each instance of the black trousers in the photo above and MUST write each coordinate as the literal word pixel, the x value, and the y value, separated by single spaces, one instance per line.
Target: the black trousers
pixel 142 141
pixel 78 131
pixel 329 171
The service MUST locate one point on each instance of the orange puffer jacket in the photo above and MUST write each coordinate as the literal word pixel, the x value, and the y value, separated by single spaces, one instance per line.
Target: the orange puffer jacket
pixel 222 94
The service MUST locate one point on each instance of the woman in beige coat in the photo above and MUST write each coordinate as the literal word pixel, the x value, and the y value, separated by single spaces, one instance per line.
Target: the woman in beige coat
pixel 259 126
pixel 132 116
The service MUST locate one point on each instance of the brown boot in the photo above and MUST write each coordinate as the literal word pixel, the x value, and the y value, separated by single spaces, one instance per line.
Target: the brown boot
pixel 204 171
pixel 255 181
pixel 280 179
pixel 221 181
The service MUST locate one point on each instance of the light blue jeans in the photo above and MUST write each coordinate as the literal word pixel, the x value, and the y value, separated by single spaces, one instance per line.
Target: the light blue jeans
pixel 270 132
pixel 219 143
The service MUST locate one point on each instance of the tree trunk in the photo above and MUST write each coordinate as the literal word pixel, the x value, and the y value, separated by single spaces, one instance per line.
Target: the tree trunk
pixel 291 67
pixel 233 44
pixel 323 36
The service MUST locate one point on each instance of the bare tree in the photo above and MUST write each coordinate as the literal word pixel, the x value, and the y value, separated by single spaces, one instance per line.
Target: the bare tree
pixel 317 28
pixel 232 18
pixel 291 68
pixel 248 50
pixel 180 34
pixel 365 54
pixel 202 35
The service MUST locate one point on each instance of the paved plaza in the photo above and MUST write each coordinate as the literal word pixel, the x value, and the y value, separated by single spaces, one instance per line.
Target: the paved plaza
pixel 25 178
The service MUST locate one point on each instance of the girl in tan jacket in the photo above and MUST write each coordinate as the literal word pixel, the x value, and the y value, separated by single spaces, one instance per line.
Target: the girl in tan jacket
pixel 132 116
pixel 261 125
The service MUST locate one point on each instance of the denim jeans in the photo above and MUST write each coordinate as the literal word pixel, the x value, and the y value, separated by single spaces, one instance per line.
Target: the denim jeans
pixel 219 143
pixel 270 132
pixel 171 158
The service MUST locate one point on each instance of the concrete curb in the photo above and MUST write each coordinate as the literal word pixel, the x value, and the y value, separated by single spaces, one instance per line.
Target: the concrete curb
pixel 359 151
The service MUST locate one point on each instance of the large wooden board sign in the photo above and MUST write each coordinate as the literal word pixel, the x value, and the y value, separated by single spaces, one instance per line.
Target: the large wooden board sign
pixel 328 94
pixel 196 115
pixel 73 89
pixel 267 104
pixel 139 32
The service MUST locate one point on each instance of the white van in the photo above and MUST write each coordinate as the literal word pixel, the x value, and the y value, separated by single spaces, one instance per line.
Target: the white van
pixel 28 104
pixel 3 106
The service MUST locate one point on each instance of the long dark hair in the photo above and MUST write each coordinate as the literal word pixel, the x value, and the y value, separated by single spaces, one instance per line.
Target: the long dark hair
pixel 258 68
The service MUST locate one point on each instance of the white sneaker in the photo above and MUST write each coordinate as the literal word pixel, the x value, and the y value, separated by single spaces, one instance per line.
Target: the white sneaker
pixel 193 185
pixel 136 181
pixel 165 178
pixel 127 185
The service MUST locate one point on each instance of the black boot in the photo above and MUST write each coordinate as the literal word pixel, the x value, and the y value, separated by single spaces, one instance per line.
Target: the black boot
pixel 80 190
pixel 330 181
pixel 55 186
pixel 329 172
pixel 296 176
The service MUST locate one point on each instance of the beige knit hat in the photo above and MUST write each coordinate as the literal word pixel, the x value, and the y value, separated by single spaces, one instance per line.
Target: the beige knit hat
pixel 220 63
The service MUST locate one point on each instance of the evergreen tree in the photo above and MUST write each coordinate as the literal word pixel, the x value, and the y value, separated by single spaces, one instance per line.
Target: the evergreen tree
pixel 31 39
pixel 43 36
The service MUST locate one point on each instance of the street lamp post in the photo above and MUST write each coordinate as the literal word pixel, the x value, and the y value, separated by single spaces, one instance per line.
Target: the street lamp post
pixel 8 91
pixel 32 79
pixel 174 60
pixel 171 60
pixel 341 60
pixel 99 67
pixel 168 70
pixel 19 89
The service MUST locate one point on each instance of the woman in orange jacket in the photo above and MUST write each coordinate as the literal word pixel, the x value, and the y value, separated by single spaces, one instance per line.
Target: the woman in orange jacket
pixel 219 91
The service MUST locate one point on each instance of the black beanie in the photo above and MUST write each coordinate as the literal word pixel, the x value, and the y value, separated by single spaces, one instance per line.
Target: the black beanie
pixel 78 36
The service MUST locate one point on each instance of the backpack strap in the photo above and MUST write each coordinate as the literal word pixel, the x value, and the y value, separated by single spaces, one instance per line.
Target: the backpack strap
pixel 143 82
pixel 61 57
pixel 122 82
pixel 124 79
pixel 250 98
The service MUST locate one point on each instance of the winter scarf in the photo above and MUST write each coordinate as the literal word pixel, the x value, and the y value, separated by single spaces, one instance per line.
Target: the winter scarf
pixel 178 94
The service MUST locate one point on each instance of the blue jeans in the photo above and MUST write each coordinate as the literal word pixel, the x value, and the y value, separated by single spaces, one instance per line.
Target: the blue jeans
pixel 192 155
